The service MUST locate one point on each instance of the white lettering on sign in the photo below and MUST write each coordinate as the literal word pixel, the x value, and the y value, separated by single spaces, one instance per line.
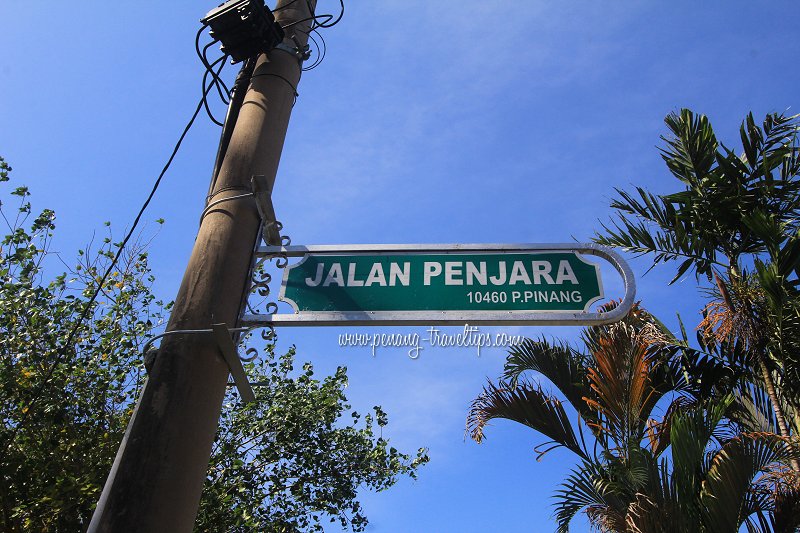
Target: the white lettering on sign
pixel 538 296
pixel 451 270
pixel 565 273
pixel 476 274
pixel 313 282
pixel 541 269
pixel 376 276
pixel 432 269
pixel 518 274
pixel 447 272
pixel 499 280
pixel 351 276
pixel 334 276
pixel 403 276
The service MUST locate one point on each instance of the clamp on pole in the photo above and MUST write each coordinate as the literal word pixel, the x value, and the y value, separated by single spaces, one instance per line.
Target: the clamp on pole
pixel 263 195
pixel 231 355
pixel 301 52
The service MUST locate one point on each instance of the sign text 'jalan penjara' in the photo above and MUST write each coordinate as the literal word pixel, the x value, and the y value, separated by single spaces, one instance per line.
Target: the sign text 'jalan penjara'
pixel 524 281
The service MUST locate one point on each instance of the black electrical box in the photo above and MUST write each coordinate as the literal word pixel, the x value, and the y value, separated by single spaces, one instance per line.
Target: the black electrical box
pixel 244 28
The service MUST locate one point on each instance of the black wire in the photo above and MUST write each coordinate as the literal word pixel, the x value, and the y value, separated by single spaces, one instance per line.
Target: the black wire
pixel 221 86
pixel 222 89
pixel 231 117
pixel 62 352
pixel 335 22
pixel 197 46
pixel 329 20
pixel 206 88
pixel 314 18
pixel 216 81
pixel 321 50
pixel 294 89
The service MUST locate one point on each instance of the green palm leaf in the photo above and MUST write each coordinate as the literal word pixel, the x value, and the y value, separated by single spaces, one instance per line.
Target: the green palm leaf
pixel 587 487
pixel 527 405
pixel 753 411
pixel 722 190
pixel 731 474
pixel 691 150
pixel 690 432
pixel 558 362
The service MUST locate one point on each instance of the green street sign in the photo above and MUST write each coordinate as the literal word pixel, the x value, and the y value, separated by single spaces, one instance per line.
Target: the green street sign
pixel 442 284
pixel 532 281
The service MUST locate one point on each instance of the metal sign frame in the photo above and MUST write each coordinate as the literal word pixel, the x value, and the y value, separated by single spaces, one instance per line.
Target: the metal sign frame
pixel 446 318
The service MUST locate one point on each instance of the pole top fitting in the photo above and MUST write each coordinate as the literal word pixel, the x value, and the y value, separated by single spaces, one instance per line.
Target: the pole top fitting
pixel 301 52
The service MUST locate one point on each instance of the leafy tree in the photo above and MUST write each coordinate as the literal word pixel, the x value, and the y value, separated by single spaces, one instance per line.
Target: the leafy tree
pixel 63 408
pixel 692 470
pixel 284 463
pixel 735 221
pixel 287 461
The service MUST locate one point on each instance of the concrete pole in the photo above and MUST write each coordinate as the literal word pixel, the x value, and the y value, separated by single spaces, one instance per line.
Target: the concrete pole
pixel 158 474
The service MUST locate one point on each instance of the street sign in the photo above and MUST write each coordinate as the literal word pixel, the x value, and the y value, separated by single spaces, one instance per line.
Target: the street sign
pixel 528 281
pixel 444 284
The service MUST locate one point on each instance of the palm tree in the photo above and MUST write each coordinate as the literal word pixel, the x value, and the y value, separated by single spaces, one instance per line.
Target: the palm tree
pixel 708 225
pixel 734 210
pixel 614 388
pixel 622 482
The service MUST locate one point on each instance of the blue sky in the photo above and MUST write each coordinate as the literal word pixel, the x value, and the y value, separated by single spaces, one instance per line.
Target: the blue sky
pixel 428 122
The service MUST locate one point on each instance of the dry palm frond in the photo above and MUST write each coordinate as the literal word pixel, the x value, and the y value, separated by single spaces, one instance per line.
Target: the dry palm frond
pixel 621 382
pixel 652 335
pixel 738 313
pixel 605 518
pixel 779 477
pixel 646 516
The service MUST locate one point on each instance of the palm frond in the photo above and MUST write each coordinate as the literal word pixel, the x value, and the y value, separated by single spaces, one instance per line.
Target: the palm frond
pixel 753 411
pixel 585 487
pixel 786 514
pixel 528 405
pixel 646 515
pixel 691 148
pixel 759 523
pixel 728 482
pixel 669 242
pixel 658 433
pixel 704 374
pixel 720 213
pixel 641 323
pixel 558 362
pixel 690 433
pixel 620 382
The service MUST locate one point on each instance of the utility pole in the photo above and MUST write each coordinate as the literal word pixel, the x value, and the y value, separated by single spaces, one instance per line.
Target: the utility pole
pixel 158 474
